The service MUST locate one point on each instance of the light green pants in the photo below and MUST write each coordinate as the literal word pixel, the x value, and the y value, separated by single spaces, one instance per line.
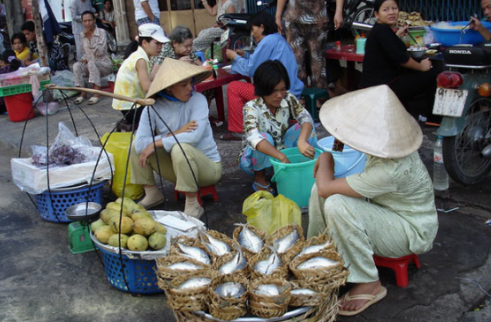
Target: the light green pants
pixel 360 229
pixel 175 168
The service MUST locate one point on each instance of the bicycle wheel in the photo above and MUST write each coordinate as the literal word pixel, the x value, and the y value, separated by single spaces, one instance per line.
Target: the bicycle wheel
pixel 364 15
pixel 112 44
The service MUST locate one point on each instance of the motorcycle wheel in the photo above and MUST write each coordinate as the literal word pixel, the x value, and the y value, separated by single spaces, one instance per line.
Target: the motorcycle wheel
pixel 240 40
pixel 112 44
pixel 364 15
pixel 462 153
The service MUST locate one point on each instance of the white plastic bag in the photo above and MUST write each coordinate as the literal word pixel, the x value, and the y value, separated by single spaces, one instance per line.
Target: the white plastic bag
pixel 63 78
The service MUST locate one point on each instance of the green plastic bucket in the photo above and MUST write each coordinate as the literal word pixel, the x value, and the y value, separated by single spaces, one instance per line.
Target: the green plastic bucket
pixel 294 180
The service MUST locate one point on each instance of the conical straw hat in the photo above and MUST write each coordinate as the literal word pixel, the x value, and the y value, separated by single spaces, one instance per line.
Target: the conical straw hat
pixel 174 71
pixel 373 121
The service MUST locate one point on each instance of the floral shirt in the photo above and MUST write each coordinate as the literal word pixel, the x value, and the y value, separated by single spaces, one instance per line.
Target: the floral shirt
pixel 167 51
pixel 259 119
pixel 95 48
pixel 307 12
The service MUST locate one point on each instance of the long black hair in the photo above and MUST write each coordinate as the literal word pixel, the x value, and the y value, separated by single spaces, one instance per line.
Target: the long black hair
pixel 8 56
pixel 268 75
pixel 378 3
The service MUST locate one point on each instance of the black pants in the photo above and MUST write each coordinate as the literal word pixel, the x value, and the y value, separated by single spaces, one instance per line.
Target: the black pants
pixel 414 84
pixel 134 114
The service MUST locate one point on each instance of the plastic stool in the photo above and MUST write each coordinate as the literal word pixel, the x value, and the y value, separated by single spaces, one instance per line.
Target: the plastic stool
pixel 399 266
pixel 311 95
pixel 203 191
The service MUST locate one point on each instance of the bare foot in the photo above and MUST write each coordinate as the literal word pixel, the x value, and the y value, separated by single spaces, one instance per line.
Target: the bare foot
pixel 372 288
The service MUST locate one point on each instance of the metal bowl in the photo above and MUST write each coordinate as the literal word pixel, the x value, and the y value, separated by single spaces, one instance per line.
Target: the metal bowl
pixel 83 211
pixel 417 52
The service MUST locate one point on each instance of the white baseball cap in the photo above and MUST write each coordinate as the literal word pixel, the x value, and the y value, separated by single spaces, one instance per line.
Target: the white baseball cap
pixel 154 31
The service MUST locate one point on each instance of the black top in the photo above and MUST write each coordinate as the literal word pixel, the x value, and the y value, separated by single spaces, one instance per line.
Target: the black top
pixel 384 54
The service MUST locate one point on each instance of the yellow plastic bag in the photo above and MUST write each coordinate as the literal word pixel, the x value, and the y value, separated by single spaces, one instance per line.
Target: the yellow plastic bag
pixel 118 145
pixel 268 213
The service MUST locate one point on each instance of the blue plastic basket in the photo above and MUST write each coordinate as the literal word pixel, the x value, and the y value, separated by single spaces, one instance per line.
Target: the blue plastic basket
pixel 140 273
pixel 53 208
pixel 451 37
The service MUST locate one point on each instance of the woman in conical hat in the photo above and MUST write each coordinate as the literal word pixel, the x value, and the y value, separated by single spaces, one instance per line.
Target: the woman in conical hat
pixel 185 112
pixel 400 218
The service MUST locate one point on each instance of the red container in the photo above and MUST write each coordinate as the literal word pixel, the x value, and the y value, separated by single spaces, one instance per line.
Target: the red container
pixel 19 107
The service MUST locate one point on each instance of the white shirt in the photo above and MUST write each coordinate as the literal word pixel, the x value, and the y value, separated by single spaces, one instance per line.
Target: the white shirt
pixel 140 14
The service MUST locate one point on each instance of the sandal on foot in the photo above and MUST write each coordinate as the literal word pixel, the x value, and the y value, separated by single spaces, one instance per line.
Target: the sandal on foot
pixel 79 100
pixel 231 136
pixel 371 299
pixel 267 187
pixel 94 100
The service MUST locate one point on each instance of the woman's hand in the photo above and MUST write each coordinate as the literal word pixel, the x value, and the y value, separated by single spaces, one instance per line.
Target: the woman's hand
pixel 338 20
pixel 146 153
pixel 186 59
pixel 283 158
pixel 279 24
pixel 240 52
pixel 401 32
pixel 231 54
pixel 327 160
pixel 189 127
pixel 306 149
pixel 475 24
pixel 425 65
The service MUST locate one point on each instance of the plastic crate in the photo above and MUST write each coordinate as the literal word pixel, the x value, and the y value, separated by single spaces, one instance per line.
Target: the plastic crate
pixel 15 89
pixel 139 273
pixel 53 208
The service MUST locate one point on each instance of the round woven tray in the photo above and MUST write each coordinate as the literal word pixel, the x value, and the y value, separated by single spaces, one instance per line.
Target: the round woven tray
pixel 269 306
pixel 318 275
pixel 293 250
pixel 165 274
pixel 221 237
pixel 220 261
pixel 188 300
pixel 227 308
pixel 280 272
pixel 247 253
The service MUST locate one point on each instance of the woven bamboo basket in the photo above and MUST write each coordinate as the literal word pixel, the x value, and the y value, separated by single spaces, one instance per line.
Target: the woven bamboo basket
pixel 247 253
pixel 189 300
pixel 288 255
pixel 227 308
pixel 318 275
pixel 308 300
pixel 221 237
pixel 227 258
pixel 319 240
pixel 280 272
pixel 269 306
pixel 175 250
pixel 165 274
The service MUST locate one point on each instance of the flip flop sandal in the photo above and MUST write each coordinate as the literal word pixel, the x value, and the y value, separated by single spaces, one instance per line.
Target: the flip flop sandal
pixel 79 100
pixel 371 299
pixel 94 100
pixel 230 136
pixel 267 187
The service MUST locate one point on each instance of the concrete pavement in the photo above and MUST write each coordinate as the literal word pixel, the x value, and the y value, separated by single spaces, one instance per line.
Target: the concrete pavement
pixel 41 280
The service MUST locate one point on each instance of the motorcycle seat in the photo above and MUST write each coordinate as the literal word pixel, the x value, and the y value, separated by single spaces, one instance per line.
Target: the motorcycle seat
pixel 468 56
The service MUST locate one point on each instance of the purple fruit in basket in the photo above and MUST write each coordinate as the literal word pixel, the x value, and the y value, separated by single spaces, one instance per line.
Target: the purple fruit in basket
pixel 249 240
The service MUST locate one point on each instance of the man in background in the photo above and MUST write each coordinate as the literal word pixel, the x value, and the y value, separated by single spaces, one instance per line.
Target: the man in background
pixel 147 11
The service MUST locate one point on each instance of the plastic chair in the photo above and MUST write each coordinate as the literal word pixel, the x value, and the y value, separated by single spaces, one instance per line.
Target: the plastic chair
pixel 399 266
pixel 310 95
pixel 200 55
pixel 203 191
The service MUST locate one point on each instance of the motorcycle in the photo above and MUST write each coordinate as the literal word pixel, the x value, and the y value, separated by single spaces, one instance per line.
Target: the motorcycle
pixel 463 100
pixel 358 15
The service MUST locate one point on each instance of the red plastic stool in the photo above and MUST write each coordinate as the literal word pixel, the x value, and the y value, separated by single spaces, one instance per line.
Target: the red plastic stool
pixel 399 266
pixel 203 191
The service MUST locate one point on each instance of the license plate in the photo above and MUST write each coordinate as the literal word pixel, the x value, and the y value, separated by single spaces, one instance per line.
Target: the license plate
pixel 450 102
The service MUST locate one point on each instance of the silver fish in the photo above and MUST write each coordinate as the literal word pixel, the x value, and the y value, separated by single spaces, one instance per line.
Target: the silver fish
pixel 230 289
pixel 314 248
pixel 267 289
pixel 285 242
pixel 194 283
pixel 317 262
pixel 249 240
pixel 267 266
pixel 237 263
pixel 195 253
pixel 216 246
pixel 185 267
pixel 303 291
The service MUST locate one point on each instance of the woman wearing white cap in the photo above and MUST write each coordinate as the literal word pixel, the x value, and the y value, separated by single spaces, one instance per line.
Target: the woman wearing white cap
pixel 185 112
pixel 134 76
pixel 400 218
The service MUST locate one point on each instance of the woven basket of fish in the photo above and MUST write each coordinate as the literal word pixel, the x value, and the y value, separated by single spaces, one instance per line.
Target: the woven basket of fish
pixel 250 238
pixel 172 266
pixel 232 263
pixel 190 247
pixel 228 297
pixel 318 267
pixel 288 241
pixel 269 297
pixel 218 244
pixel 267 263
pixel 189 292
pixel 307 293
pixel 184 316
